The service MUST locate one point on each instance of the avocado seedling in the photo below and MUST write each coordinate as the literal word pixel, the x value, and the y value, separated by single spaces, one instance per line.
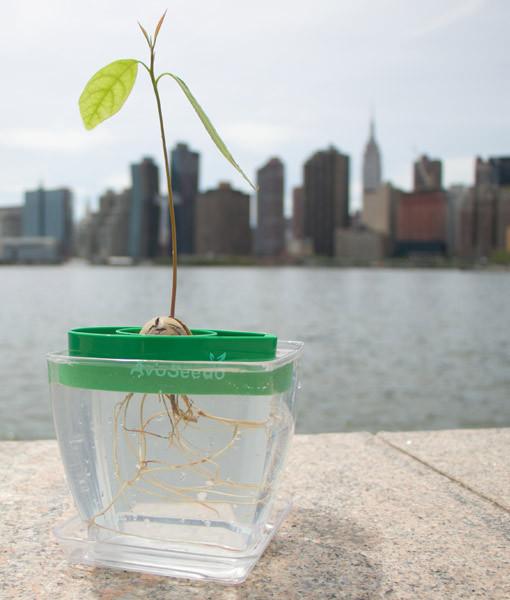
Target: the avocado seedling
pixel 103 96
pixel 151 430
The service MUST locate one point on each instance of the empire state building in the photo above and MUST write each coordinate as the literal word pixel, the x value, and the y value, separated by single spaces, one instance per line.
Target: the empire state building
pixel 372 171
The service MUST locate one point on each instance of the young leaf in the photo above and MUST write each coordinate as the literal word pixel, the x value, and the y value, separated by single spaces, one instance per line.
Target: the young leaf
pixel 208 126
pixel 106 91
pixel 158 27
pixel 145 34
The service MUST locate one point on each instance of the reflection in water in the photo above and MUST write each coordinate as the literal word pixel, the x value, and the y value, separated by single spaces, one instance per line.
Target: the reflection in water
pixel 385 349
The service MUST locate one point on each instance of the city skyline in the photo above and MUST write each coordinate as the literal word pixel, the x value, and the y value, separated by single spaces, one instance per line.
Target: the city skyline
pixel 433 91
pixel 470 223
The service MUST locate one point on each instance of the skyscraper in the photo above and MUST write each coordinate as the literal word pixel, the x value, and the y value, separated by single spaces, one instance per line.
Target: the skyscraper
pixel 223 222
pixel 270 232
pixel 33 213
pixel 379 208
pixel 58 219
pixel 185 175
pixel 494 171
pixel 113 224
pixel 326 192
pixel 492 204
pixel 372 170
pixel 421 223
pixel 144 214
pixel 428 174
pixel 48 213
pixel 460 221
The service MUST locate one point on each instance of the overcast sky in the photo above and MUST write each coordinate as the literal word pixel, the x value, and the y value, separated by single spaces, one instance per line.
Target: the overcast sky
pixel 277 77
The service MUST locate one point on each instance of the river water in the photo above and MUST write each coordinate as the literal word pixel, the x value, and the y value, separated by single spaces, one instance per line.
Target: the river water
pixel 385 349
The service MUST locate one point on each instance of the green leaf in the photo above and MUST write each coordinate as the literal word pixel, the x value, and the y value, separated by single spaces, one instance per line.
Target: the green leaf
pixel 106 91
pixel 211 130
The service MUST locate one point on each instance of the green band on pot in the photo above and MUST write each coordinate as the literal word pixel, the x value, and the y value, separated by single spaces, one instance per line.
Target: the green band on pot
pixel 153 377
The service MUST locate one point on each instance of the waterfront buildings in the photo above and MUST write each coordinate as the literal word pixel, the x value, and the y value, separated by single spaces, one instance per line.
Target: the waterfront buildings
pixel 378 217
pixel 372 164
pixel 31 250
pixel 359 244
pixel 491 206
pixel 493 171
pixel 48 213
pixel 113 225
pixel 270 231
pixel 223 222
pixel 144 211
pixel 466 222
pixel 503 219
pixel 185 179
pixel 421 223
pixel 10 221
pixel 326 198
pixel 297 244
pixel 428 174
pixel 86 245
pixel 379 208
pixel 460 221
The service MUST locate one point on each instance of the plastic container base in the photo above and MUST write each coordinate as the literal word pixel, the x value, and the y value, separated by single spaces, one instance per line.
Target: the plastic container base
pixel 158 558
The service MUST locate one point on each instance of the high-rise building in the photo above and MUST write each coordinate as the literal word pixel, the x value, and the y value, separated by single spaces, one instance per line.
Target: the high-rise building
pixel 33 213
pixel 503 219
pixel 145 211
pixel 223 222
pixel 326 191
pixel 493 171
pixel 87 246
pixel 379 207
pixel 491 212
pixel 372 168
pixel 10 221
pixel 58 219
pixel 48 213
pixel 428 174
pixel 461 221
pixel 270 231
pixel 185 176
pixel 421 223
pixel 486 201
pixel 113 224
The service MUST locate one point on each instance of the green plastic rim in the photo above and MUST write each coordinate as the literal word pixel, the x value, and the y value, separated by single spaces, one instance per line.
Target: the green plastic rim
pixel 202 345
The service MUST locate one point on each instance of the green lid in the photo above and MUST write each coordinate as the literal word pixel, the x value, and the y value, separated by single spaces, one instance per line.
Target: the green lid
pixel 202 345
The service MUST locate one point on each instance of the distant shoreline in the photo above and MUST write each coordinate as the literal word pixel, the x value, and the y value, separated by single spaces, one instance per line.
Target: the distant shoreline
pixel 316 262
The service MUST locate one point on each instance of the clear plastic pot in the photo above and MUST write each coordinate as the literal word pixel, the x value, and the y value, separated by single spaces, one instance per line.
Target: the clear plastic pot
pixel 174 465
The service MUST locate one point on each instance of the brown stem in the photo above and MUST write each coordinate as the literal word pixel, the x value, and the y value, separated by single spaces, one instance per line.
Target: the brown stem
pixel 168 184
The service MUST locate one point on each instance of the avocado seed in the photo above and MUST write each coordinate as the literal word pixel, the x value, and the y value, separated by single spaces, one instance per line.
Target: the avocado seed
pixel 165 326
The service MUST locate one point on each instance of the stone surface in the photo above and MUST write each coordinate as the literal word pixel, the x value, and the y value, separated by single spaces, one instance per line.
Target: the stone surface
pixel 480 462
pixel 370 521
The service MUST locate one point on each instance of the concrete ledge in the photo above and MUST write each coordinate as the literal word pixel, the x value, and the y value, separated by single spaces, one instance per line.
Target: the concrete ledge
pixel 408 515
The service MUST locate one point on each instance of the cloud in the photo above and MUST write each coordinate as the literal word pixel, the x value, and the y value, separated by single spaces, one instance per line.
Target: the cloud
pixel 67 140
pixel 459 10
